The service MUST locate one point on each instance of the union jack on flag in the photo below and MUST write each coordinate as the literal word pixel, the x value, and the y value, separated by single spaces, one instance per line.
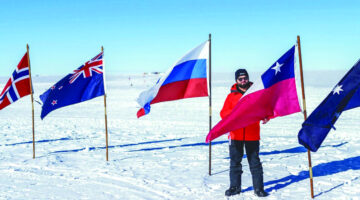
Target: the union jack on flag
pixel 86 70
pixel 84 83
pixel 18 85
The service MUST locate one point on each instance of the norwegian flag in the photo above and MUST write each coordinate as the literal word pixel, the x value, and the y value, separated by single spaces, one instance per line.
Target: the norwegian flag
pixel 84 83
pixel 18 85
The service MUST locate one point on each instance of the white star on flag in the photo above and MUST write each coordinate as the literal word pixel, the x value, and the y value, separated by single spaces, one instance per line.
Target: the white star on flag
pixel 277 67
pixel 337 89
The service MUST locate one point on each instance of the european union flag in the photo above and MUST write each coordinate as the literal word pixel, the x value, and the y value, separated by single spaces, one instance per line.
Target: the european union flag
pixel 344 96
pixel 82 84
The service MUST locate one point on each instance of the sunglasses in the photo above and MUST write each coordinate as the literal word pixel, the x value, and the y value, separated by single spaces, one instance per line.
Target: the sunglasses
pixel 243 79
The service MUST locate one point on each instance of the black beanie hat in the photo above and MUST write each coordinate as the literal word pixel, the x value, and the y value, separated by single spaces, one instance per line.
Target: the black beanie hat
pixel 241 72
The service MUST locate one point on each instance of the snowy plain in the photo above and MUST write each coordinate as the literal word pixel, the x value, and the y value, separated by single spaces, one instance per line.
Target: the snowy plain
pixel 163 154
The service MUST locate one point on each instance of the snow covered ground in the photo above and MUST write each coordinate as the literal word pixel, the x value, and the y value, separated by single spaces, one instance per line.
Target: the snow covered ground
pixel 163 154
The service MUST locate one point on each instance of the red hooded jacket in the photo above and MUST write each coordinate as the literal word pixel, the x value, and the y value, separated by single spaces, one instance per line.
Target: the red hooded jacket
pixel 249 133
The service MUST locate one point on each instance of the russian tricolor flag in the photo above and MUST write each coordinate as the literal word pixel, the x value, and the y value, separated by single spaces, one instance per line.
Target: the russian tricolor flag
pixel 273 95
pixel 186 79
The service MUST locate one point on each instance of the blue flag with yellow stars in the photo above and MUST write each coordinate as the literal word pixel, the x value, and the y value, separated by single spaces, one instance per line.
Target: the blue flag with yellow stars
pixel 344 96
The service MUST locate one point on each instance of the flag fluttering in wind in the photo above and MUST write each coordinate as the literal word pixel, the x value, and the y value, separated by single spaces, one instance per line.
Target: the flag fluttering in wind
pixel 82 84
pixel 186 79
pixel 18 85
pixel 344 96
pixel 273 95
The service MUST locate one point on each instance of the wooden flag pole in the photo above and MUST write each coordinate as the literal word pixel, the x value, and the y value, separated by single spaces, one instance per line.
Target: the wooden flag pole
pixel 210 109
pixel 305 115
pixel 32 100
pixel 106 130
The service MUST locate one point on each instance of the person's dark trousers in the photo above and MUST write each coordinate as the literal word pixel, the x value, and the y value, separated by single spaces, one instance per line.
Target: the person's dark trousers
pixel 236 150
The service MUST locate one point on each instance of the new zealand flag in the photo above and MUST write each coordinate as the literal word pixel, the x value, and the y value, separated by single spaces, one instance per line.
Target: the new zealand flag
pixel 18 85
pixel 84 83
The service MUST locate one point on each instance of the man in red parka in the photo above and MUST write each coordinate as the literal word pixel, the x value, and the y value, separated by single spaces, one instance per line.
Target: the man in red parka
pixel 248 137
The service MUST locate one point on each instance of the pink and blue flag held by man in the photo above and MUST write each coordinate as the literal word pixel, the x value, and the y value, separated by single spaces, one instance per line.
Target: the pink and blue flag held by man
pixel 186 79
pixel 273 95
pixel 84 83
pixel 18 85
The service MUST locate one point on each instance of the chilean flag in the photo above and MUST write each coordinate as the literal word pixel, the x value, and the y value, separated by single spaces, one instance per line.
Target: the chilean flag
pixel 186 79
pixel 273 95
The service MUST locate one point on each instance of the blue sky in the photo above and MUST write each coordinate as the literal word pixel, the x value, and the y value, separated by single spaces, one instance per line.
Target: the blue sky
pixel 145 36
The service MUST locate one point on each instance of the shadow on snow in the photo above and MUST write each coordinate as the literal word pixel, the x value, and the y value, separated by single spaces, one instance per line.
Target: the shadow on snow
pixel 183 145
pixel 43 141
pixel 335 187
pixel 299 149
pixel 323 169
pixel 115 146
